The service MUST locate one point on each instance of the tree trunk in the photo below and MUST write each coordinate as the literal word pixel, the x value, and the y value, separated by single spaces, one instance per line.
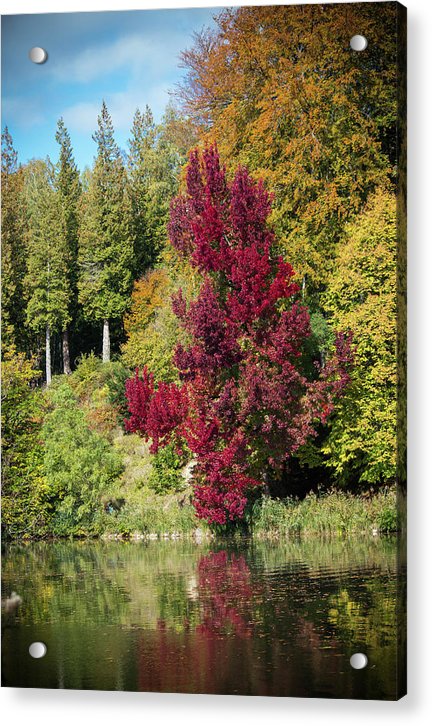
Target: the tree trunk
pixel 106 342
pixel 66 353
pixel 48 355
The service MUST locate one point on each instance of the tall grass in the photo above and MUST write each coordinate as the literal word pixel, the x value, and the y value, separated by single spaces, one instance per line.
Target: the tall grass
pixel 331 513
pixel 151 514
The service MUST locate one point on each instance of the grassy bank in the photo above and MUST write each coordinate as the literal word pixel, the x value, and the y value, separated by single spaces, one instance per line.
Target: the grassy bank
pixel 333 513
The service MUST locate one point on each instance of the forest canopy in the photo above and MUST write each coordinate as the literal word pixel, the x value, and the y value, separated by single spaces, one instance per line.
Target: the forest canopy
pixel 224 287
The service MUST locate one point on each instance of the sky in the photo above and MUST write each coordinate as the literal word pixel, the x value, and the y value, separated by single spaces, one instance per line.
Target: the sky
pixel 130 59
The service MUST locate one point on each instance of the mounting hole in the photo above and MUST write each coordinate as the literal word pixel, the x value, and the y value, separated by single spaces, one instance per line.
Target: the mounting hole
pixel 358 661
pixel 37 650
pixel 38 55
pixel 358 42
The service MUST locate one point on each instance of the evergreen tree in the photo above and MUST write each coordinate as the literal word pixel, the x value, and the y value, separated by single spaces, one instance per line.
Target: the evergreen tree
pixel 47 279
pixel 69 188
pixel 105 252
pixel 153 165
pixel 13 261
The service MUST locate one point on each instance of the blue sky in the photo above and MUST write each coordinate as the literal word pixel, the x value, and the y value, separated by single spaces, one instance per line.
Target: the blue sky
pixel 127 58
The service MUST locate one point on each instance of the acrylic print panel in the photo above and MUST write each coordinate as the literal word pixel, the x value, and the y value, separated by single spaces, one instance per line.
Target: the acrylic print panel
pixel 204 308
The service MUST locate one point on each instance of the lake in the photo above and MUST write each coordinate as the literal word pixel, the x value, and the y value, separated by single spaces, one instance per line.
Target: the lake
pixel 252 618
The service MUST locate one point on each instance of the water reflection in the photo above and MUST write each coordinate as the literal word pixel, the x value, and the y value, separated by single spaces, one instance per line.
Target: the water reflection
pixel 257 618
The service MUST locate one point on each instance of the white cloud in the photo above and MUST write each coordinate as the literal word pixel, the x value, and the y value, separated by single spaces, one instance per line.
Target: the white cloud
pixel 136 53
pixel 82 117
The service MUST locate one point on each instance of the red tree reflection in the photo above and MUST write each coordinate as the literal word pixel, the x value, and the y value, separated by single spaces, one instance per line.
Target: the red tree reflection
pixel 224 591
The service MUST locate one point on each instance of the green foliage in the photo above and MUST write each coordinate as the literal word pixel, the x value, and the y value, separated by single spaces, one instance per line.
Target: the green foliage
pixel 154 163
pixel 151 514
pixel 153 346
pixel 79 464
pixel 47 280
pixel 334 513
pixel 13 257
pixel 25 505
pixel 167 466
pixel 361 297
pixel 68 185
pixel 388 518
pixel 101 387
pixel 105 247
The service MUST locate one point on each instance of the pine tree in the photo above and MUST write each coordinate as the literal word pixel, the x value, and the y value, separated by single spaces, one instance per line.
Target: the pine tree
pixel 47 279
pixel 13 262
pixel 153 166
pixel 69 187
pixel 105 254
pixel 140 145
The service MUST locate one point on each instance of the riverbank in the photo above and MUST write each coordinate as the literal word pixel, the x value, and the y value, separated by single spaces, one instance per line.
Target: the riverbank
pixel 332 514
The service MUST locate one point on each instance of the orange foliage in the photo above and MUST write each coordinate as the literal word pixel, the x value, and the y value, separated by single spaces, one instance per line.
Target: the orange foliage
pixel 148 295
pixel 280 91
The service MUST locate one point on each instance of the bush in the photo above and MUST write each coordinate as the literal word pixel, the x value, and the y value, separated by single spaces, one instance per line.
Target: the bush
pixel 25 502
pixel 101 387
pixel 166 473
pixel 79 464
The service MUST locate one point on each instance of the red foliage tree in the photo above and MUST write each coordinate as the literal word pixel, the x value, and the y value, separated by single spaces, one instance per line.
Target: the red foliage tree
pixel 244 405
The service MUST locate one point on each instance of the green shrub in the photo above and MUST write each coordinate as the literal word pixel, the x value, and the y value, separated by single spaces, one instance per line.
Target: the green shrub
pixel 166 474
pixel 100 387
pixel 25 503
pixel 79 464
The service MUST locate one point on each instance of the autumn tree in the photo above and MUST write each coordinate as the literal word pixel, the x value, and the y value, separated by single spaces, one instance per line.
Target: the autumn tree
pixel 244 405
pixel 13 258
pixel 151 327
pixel 281 91
pixel 178 130
pixel 69 189
pixel 361 296
pixel 47 281
pixel 105 253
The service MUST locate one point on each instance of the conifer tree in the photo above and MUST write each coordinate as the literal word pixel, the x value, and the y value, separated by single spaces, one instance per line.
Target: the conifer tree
pixel 142 139
pixel 105 254
pixel 69 187
pixel 13 259
pixel 47 279
pixel 153 166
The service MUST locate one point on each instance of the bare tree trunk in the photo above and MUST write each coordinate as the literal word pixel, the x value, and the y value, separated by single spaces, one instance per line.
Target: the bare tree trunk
pixel 48 355
pixel 106 342
pixel 66 353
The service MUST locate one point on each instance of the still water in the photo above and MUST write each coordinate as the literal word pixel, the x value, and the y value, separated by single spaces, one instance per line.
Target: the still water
pixel 255 619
